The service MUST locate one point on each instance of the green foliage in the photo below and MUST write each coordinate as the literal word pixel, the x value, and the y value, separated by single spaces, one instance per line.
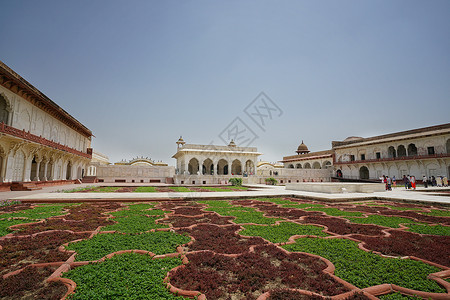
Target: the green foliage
pixel 282 232
pixel 134 224
pixel 235 181
pixel 392 222
pixel 288 203
pixel 214 189
pixel 180 189
pixel 6 223
pixel 243 188
pixel 438 213
pixel 39 212
pixel 331 211
pixel 145 189
pixel 216 203
pixel 242 214
pixel 429 229
pixel 271 181
pixel 125 276
pixel 7 202
pixel 107 189
pixel 78 189
pixel 398 296
pixel 141 209
pixel 364 269
pixel 160 242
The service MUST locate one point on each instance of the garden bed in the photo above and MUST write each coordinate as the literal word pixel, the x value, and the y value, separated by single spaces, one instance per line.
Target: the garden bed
pixel 268 248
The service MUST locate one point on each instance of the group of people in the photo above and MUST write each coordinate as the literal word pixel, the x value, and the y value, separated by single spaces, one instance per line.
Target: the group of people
pixel 409 181
pixel 389 182
pixel 439 181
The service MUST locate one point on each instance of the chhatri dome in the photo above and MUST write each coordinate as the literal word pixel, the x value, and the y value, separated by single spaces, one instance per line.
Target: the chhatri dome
pixel 302 149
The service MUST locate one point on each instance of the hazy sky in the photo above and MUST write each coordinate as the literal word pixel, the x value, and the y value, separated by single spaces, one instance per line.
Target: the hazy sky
pixel 141 73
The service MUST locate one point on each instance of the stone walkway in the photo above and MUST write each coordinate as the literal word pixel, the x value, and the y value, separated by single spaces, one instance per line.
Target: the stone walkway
pixel 50 194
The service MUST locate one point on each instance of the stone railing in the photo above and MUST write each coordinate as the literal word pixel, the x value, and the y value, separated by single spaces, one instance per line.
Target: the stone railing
pixel 40 140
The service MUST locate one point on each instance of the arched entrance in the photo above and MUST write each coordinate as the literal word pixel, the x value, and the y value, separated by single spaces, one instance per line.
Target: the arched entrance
pixel 34 166
pixel 193 166
pixel 326 164
pixel 208 167
pixel 249 167
pixel 363 173
pixel 69 171
pixel 299 166
pixel 307 166
pixel 291 166
pixel 448 146
pixel 222 167
pixel 339 173
pixel 236 167
pixel 316 165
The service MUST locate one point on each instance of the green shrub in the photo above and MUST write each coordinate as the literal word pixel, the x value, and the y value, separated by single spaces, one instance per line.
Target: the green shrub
pixel 235 181
pixel 271 181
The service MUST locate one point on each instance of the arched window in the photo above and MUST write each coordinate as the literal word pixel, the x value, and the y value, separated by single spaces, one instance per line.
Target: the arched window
pixel 412 150
pixel 298 166
pixel 291 166
pixel 401 151
pixel 4 113
pixel 316 165
pixel 307 166
pixel 391 152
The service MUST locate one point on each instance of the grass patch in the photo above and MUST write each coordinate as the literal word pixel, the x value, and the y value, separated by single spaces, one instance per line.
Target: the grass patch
pixel 282 232
pixel 214 189
pixel 160 242
pixel 242 214
pixel 125 276
pixel 331 211
pixel 180 189
pixel 140 209
pixel 364 269
pixel 438 213
pixel 216 203
pixel 107 189
pixel 6 223
pixel 392 222
pixel 39 212
pixel 145 189
pixel 398 296
pixel 429 229
pixel 134 224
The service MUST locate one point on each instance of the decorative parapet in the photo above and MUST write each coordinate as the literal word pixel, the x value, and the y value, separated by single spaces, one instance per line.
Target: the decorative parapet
pixel 42 141
pixel 402 158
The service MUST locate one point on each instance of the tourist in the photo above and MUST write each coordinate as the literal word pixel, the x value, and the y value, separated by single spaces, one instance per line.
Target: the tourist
pixel 439 181
pixel 394 182
pixel 406 181
pixel 445 181
pixel 433 181
pixel 413 182
pixel 388 183
pixel 425 181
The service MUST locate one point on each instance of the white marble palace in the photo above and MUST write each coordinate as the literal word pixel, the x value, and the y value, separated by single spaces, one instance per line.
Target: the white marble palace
pixel 39 141
pixel 212 164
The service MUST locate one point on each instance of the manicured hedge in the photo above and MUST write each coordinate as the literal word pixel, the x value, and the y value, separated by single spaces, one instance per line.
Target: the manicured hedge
pixel 331 211
pixel 125 276
pixel 364 269
pixel 429 229
pixel 134 224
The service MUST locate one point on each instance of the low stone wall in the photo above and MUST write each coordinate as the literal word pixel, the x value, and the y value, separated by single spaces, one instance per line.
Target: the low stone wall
pixel 336 187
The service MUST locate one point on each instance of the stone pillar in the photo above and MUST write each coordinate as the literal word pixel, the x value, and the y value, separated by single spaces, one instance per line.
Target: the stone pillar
pixel 27 169
pixel 38 164
pixel 45 170
pixel 200 167
pixel 214 169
